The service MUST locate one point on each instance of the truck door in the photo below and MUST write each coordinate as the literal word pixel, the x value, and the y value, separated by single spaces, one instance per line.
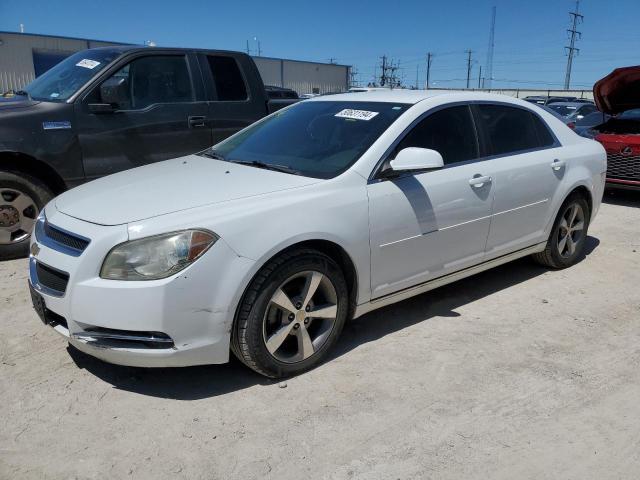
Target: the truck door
pixel 154 110
pixel 235 92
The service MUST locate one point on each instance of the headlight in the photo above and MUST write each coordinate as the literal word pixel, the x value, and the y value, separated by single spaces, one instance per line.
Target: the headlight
pixel 156 257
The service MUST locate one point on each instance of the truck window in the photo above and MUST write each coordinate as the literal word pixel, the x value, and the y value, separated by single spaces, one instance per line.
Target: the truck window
pixel 228 78
pixel 155 79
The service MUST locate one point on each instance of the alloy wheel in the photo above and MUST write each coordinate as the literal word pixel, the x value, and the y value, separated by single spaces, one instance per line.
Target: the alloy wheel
pixel 18 214
pixel 571 230
pixel 300 317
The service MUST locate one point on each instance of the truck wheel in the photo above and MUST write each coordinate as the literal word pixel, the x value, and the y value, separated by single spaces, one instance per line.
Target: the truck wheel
pixel 292 314
pixel 568 235
pixel 21 199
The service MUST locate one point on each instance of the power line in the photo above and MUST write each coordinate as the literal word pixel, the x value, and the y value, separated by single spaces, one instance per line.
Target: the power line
pixel 576 19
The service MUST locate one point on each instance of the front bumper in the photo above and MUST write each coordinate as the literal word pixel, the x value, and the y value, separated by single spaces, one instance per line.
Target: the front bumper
pixel 193 308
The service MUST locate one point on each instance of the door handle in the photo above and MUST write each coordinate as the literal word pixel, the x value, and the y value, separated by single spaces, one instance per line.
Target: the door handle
pixel 196 121
pixel 558 164
pixel 479 181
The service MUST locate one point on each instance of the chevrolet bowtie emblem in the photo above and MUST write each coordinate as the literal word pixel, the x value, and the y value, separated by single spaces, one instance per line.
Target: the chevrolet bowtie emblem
pixel 35 249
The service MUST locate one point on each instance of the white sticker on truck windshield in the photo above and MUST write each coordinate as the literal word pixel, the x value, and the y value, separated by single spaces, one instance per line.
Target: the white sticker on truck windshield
pixel 356 114
pixel 86 63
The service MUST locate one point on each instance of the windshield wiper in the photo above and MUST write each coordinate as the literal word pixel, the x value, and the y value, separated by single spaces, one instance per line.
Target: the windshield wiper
pixel 213 154
pixel 22 93
pixel 268 166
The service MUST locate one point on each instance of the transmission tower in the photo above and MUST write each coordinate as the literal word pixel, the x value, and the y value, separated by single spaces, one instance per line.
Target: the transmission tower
pixel 388 76
pixel 576 19
pixel 353 77
pixel 489 66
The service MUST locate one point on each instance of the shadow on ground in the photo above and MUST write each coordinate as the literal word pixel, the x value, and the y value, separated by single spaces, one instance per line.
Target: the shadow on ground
pixel 624 198
pixel 194 383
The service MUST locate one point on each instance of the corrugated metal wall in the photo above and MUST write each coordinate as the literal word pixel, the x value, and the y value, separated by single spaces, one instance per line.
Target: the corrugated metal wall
pixel 303 77
pixel 16 65
pixel 16 55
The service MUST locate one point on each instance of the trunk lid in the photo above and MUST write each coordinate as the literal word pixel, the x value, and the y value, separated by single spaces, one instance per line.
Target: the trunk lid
pixel 618 91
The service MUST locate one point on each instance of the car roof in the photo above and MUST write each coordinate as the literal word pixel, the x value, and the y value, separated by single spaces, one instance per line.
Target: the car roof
pixel 568 104
pixel 415 96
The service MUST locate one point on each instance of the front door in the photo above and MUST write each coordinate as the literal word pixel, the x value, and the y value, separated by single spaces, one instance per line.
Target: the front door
pixel 161 117
pixel 428 224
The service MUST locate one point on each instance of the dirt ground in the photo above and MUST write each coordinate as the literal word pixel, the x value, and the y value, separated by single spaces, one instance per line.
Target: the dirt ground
pixel 515 373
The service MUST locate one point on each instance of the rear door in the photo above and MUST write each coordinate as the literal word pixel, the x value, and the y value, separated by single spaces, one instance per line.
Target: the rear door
pixel 427 224
pixel 235 94
pixel 528 166
pixel 164 115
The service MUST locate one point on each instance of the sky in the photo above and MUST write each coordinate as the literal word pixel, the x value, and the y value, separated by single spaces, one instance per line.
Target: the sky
pixel 530 35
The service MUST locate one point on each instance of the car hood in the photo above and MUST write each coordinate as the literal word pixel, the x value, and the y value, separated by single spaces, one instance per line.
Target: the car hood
pixel 618 91
pixel 171 186
pixel 15 101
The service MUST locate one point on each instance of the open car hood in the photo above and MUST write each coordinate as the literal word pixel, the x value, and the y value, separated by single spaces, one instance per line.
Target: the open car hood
pixel 618 91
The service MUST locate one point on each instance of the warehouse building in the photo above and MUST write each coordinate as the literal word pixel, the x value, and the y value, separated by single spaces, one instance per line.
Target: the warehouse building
pixel 24 56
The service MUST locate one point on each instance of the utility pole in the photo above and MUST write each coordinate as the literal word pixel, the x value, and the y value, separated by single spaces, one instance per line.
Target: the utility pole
pixel 416 77
pixel 248 52
pixel 468 67
pixel 383 73
pixel 576 18
pixel 479 76
pixel 492 33
pixel 332 60
pixel 429 59
pixel 353 74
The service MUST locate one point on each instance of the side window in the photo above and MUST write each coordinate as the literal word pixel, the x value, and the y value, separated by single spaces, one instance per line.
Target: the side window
pixel 149 80
pixel 511 129
pixel 449 131
pixel 228 78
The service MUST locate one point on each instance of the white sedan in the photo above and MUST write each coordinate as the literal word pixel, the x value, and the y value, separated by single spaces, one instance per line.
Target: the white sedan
pixel 265 244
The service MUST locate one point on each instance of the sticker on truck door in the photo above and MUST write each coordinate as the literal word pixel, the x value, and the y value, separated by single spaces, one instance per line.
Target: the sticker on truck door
pixel 86 63
pixel 356 114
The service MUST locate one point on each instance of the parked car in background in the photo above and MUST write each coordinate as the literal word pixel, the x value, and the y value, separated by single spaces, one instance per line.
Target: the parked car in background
pixel 267 242
pixel 104 110
pixel 551 100
pixel 584 126
pixel 274 92
pixel 572 111
pixel 537 99
pixel 619 94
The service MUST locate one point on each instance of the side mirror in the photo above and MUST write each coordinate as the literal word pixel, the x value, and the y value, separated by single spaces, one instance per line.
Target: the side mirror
pixel 414 158
pixel 114 93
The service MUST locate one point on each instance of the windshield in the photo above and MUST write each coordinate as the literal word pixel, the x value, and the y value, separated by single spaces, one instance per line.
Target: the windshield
pixel 316 139
pixel 564 110
pixel 633 114
pixel 63 80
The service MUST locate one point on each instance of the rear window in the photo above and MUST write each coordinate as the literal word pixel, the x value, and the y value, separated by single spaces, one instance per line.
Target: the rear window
pixel 228 79
pixel 512 129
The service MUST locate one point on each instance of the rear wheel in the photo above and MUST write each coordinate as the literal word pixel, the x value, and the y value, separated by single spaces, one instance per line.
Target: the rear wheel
pixel 292 314
pixel 568 235
pixel 22 197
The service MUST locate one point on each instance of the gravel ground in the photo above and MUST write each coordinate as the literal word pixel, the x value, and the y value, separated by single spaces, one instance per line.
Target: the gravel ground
pixel 515 373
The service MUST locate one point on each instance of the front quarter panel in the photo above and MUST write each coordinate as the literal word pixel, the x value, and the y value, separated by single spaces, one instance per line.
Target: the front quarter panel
pixel 260 227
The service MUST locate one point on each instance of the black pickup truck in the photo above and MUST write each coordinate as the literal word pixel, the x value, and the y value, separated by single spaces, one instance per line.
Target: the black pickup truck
pixel 108 109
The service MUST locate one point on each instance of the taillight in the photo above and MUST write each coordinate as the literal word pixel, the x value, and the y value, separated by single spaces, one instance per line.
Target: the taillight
pixel 571 125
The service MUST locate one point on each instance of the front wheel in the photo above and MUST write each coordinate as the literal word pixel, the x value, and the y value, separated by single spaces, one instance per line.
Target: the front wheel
pixel 22 197
pixel 291 314
pixel 568 235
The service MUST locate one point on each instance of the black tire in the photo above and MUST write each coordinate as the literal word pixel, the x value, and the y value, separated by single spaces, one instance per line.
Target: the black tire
pixel 551 256
pixel 247 340
pixel 40 194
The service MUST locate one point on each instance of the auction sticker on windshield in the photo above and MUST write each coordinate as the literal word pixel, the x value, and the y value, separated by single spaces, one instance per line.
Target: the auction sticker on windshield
pixel 356 114
pixel 86 63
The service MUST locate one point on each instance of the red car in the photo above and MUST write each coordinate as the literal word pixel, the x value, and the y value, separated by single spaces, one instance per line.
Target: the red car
pixel 619 94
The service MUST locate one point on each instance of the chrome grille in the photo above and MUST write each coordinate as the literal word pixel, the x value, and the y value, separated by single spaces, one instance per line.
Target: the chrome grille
pixel 623 167
pixel 59 239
